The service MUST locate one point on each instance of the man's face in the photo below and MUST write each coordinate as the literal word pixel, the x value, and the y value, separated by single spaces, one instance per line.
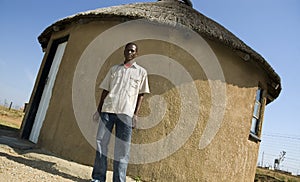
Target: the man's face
pixel 130 52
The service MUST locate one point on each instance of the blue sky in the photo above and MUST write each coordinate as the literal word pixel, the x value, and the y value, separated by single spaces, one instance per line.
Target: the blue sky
pixel 270 27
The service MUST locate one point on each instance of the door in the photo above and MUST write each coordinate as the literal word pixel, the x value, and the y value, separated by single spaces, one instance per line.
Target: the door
pixel 47 93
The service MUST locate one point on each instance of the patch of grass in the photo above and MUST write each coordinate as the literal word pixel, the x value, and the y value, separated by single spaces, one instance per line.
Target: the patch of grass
pixel 11 117
pixel 9 124
pixel 137 179
pixel 263 175
pixel 13 113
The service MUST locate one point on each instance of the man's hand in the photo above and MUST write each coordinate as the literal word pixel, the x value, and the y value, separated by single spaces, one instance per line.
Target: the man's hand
pixel 96 116
pixel 134 121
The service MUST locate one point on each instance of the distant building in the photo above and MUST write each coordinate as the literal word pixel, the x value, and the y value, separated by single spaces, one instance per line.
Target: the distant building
pixel 210 91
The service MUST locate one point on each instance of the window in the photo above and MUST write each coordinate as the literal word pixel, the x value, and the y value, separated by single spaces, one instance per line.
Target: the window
pixel 256 117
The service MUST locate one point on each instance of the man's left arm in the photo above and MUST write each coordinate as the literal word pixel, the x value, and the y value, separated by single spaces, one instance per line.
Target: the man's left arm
pixel 137 108
pixel 143 89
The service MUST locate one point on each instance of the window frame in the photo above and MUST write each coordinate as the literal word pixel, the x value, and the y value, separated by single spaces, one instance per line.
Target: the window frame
pixel 257 115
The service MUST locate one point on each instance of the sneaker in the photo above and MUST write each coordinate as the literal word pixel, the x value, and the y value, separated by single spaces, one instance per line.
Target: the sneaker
pixel 95 180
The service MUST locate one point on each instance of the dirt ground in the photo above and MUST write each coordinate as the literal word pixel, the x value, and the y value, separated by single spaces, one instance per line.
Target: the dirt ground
pixel 20 160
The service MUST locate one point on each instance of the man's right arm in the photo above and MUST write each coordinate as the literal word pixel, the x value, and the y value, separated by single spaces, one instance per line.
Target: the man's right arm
pixel 96 116
pixel 103 96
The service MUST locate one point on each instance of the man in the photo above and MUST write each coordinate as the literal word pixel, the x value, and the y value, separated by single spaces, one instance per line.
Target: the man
pixel 123 91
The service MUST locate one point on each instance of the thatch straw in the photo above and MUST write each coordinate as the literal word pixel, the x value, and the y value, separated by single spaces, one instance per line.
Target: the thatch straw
pixel 171 12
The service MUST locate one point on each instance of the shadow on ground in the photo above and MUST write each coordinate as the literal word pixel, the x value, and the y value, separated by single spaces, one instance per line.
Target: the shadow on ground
pixel 24 152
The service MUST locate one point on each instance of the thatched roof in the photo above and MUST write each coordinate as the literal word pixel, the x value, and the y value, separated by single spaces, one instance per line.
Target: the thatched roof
pixel 170 12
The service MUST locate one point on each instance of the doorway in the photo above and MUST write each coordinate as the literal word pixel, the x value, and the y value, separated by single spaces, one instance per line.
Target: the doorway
pixel 42 97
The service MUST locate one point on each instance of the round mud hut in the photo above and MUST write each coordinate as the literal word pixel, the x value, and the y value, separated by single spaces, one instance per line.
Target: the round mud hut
pixel 202 120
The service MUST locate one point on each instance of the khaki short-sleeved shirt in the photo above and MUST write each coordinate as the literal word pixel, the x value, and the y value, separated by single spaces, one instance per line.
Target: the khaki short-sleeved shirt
pixel 124 85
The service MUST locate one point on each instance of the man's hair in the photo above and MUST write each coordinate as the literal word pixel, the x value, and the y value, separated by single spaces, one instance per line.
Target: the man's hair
pixel 131 43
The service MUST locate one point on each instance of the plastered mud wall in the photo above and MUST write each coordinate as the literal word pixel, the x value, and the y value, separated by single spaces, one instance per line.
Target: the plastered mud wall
pixel 202 139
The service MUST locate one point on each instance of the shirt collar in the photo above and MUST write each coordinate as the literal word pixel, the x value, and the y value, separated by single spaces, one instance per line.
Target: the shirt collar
pixel 134 65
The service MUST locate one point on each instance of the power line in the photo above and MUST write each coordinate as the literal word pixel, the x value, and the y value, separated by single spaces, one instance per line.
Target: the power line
pixel 286 158
pixel 282 136
pixel 273 143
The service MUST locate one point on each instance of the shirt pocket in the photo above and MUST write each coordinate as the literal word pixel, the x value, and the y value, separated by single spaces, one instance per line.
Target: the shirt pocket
pixel 134 86
pixel 116 78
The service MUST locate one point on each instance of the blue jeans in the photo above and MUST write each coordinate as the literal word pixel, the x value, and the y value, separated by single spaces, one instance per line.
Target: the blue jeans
pixel 123 129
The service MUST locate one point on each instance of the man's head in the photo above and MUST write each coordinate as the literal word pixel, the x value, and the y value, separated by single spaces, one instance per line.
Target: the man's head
pixel 130 51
